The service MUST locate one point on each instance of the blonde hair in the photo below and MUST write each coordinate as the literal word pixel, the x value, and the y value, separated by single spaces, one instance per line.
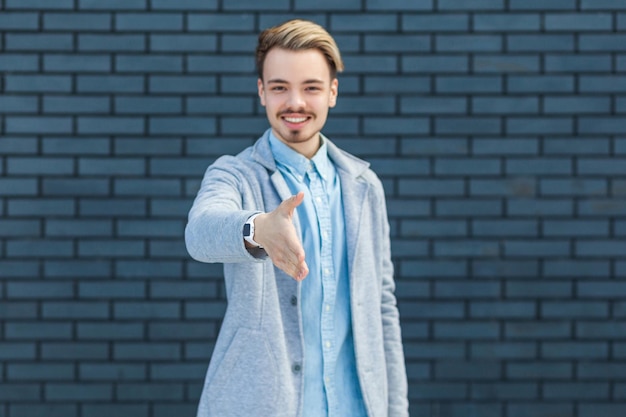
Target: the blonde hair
pixel 299 35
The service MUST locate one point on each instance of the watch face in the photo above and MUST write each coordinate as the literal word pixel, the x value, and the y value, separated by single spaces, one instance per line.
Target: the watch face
pixel 246 229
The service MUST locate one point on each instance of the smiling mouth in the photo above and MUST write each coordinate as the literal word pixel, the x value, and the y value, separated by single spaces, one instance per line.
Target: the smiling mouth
pixel 296 119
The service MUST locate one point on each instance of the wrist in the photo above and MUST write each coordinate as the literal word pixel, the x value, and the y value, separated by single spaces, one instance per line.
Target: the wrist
pixel 249 231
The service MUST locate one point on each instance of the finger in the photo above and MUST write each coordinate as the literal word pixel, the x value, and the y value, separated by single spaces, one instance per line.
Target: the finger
pixel 290 204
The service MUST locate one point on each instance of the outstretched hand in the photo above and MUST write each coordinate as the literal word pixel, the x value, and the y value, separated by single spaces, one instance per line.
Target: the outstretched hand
pixel 278 236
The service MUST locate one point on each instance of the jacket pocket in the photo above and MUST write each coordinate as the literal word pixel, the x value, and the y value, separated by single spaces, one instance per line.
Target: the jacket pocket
pixel 246 380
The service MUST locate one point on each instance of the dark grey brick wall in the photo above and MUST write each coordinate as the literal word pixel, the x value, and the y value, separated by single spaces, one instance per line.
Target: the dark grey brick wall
pixel 498 127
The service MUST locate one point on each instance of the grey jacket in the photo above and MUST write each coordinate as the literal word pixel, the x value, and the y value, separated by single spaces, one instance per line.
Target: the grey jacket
pixel 256 366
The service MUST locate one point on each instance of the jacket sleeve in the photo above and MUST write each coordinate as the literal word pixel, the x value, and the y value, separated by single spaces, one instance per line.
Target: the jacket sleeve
pixel 214 231
pixel 396 369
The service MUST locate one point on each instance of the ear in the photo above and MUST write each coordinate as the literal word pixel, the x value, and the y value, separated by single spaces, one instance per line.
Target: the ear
pixel 334 91
pixel 259 84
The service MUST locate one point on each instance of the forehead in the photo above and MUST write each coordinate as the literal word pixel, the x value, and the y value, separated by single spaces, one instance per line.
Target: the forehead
pixel 295 66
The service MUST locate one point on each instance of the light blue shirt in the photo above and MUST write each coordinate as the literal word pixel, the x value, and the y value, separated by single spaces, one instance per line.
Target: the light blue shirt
pixel 331 385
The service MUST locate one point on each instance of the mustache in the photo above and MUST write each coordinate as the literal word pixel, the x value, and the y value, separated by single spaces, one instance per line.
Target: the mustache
pixel 299 111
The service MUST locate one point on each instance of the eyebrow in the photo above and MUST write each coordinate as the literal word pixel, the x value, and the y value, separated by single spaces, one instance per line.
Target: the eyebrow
pixel 281 81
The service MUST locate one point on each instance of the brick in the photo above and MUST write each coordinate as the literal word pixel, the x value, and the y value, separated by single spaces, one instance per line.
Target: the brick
pixel 219 105
pixel 540 5
pixel 606 83
pixel 600 370
pixel 439 146
pixel 467 125
pixel 18 310
pixel 576 390
pixel 152 269
pixel 607 410
pixel 112 5
pixel 434 310
pixel 74 351
pixel 112 167
pixel 109 331
pixel 113 207
pixel 466 248
pixel 575 350
pixel 48 207
pixel 575 268
pixel 75 186
pixel 222 22
pixel 574 309
pixel 509 63
pixel 468 84
pixel 540 83
pixel 112 43
pixel 601 207
pixel 130 146
pixel 470 5
pixel 17 350
pixel 148 63
pixel 184 5
pixel 491 228
pixel 502 105
pixel 533 43
pixel 431 187
pixel 18 21
pixel 469 167
pixel 434 268
pixel 111 248
pixel 567 63
pixel 600 330
pixel 602 125
pixel 145 22
pixel 75 146
pixel 110 83
pixel 358 22
pixel 72 309
pixel 396 125
pixel 182 125
pixel 539 370
pixel 538 290
pixel 543 166
pixel 18 187
pixel 329 5
pixel 115 409
pixel 178 289
pixel 205 310
pixel 41 372
pixel 49 410
pixel 39 248
pixel 77 268
pixel 148 392
pixel 574 228
pixel 147 310
pixel 536 207
pixel 38 42
pixel 39 290
pixel 186 43
pixel 534 125
pixel 578 187
pixel 37 330
pixel 503 350
pixel 76 63
pixel 503 391
pixel 578 22
pixel 600 248
pixel 18 145
pixel 75 104
pixel 475 370
pixel 18 62
pixel 571 105
pixel 18 269
pixel 540 409
pixel 423 22
pixel 88 371
pixel 89 392
pixel 110 125
pixel 437 64
pixel 77 21
pixel 505 22
pixel 19 228
pixel 466 290
pixel 433 105
pixel 482 208
pixel 600 289
pixel 572 146
pixel 38 124
pixel 521 146
pixel 602 42
pixel 468 43
pixel 20 392
pixel 440 391
pixel 503 310
pixel 108 289
pixel 475 330
pixel 78 227
pixel 155 351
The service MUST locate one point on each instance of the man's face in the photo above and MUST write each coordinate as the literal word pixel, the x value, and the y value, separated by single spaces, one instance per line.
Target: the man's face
pixel 297 92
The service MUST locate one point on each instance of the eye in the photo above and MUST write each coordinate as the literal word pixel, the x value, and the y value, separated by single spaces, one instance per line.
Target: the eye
pixel 312 88
pixel 278 88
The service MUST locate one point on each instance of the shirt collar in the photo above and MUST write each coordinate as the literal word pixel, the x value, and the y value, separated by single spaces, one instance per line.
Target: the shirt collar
pixel 297 164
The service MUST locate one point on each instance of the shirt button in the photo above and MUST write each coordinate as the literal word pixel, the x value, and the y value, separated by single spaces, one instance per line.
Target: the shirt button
pixel 294 300
pixel 327 307
pixel 326 271
pixel 328 344
pixel 296 367
pixel 318 199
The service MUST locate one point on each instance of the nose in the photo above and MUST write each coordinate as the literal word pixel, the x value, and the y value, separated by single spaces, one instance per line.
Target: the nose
pixel 295 100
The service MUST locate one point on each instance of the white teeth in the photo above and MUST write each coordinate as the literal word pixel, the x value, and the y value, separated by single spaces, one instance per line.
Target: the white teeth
pixel 295 119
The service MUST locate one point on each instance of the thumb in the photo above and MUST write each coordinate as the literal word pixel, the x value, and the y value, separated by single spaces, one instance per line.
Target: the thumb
pixel 290 204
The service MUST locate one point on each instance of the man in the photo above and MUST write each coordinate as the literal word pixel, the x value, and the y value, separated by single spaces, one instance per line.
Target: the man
pixel 312 326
